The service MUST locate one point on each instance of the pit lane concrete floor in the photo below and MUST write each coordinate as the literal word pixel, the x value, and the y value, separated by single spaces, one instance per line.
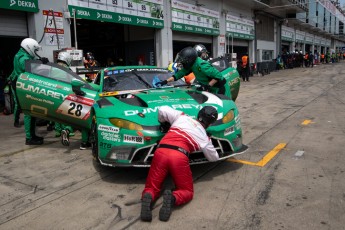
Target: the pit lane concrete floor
pixel 301 187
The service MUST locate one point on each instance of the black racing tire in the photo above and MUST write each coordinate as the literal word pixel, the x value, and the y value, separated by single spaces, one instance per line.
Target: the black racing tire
pixel 94 139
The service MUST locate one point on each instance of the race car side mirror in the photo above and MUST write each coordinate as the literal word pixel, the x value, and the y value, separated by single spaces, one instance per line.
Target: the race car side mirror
pixel 76 87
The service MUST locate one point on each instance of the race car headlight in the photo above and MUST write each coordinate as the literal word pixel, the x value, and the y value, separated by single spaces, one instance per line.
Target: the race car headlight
pixel 125 124
pixel 228 117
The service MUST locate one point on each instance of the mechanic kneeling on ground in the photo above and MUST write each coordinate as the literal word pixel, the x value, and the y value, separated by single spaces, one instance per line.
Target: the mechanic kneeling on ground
pixel 208 76
pixel 28 51
pixel 185 135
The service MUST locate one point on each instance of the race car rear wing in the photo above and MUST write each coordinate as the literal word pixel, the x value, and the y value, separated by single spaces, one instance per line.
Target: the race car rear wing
pixel 221 63
pixel 88 70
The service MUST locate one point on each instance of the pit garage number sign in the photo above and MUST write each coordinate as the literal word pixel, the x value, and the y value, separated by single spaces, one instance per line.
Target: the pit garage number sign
pixel 190 18
pixel 76 107
pixel 238 27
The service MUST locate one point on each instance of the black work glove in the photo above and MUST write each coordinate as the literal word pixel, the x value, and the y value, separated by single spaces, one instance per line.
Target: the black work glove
pixel 44 60
pixel 164 127
pixel 161 83
pixel 204 88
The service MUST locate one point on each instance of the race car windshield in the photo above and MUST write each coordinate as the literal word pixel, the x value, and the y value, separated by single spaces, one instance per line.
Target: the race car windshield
pixel 119 80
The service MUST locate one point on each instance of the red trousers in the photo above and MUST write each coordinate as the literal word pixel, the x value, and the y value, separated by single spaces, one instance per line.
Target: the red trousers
pixel 177 165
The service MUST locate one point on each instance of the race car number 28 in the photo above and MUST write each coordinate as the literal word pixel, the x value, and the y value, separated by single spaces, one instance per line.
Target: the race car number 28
pixel 75 109
pixel 76 106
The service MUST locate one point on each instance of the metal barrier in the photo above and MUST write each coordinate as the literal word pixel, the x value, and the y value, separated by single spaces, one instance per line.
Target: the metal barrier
pixel 266 67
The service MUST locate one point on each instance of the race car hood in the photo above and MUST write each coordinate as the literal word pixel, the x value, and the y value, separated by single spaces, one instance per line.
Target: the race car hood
pixel 144 105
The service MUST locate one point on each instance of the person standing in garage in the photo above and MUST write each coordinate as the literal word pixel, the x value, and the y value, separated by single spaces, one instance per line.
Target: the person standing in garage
pixel 90 63
pixel 245 67
pixel 28 51
pixel 186 135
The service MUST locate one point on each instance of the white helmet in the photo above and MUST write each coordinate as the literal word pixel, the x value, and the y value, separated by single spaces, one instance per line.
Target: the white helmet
pixel 65 57
pixel 202 51
pixel 31 46
pixel 200 48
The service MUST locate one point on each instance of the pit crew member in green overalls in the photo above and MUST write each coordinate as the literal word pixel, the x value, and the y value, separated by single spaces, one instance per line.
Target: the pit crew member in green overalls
pixel 28 51
pixel 65 131
pixel 64 59
pixel 209 77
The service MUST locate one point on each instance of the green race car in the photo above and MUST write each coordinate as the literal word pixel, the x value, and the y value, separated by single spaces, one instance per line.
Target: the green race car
pixel 120 109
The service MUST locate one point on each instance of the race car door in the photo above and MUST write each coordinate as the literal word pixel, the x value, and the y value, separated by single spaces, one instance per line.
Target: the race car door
pixel 45 91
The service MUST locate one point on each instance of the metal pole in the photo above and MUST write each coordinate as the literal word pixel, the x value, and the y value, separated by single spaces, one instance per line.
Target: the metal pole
pixel 232 44
pixel 56 33
pixel 75 30
pixel 228 45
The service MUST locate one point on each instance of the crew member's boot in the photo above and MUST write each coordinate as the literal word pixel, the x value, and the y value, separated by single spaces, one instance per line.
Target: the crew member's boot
pixel 168 203
pixel 33 141
pixel 65 137
pixel 146 202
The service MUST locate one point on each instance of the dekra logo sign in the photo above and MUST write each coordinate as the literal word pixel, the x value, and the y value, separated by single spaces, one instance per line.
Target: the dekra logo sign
pixel 23 3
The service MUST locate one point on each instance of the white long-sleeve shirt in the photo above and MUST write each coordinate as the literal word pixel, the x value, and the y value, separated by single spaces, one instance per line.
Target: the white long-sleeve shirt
pixel 186 132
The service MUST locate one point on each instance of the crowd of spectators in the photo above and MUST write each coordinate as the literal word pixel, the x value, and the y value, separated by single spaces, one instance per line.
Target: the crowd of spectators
pixel 290 60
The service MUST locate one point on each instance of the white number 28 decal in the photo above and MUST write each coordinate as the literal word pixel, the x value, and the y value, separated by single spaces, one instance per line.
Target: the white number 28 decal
pixel 76 107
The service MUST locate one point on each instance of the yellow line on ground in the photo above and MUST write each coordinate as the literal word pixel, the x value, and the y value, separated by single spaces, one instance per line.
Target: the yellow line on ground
pixel 270 155
pixel 306 122
pixel 242 162
pixel 265 159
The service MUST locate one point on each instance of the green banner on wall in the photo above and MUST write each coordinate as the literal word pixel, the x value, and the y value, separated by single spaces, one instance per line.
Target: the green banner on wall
pixel 240 36
pixel 107 16
pixel 194 29
pixel 287 39
pixel 22 5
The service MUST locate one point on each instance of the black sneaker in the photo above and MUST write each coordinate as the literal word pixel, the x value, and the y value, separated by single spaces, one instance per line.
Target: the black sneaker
pixel 65 137
pixel 33 141
pixel 146 202
pixel 37 138
pixel 168 203
pixel 85 145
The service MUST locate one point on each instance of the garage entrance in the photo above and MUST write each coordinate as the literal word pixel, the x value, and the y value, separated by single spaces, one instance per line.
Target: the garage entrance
pixel 115 44
pixel 13 29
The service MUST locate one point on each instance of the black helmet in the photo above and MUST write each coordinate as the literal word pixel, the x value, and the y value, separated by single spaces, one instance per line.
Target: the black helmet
pixel 89 55
pixel 207 115
pixel 187 57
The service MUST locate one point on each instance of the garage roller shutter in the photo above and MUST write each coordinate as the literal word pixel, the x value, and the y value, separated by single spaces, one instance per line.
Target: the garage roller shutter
pixel 239 42
pixel 13 23
pixel 191 37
